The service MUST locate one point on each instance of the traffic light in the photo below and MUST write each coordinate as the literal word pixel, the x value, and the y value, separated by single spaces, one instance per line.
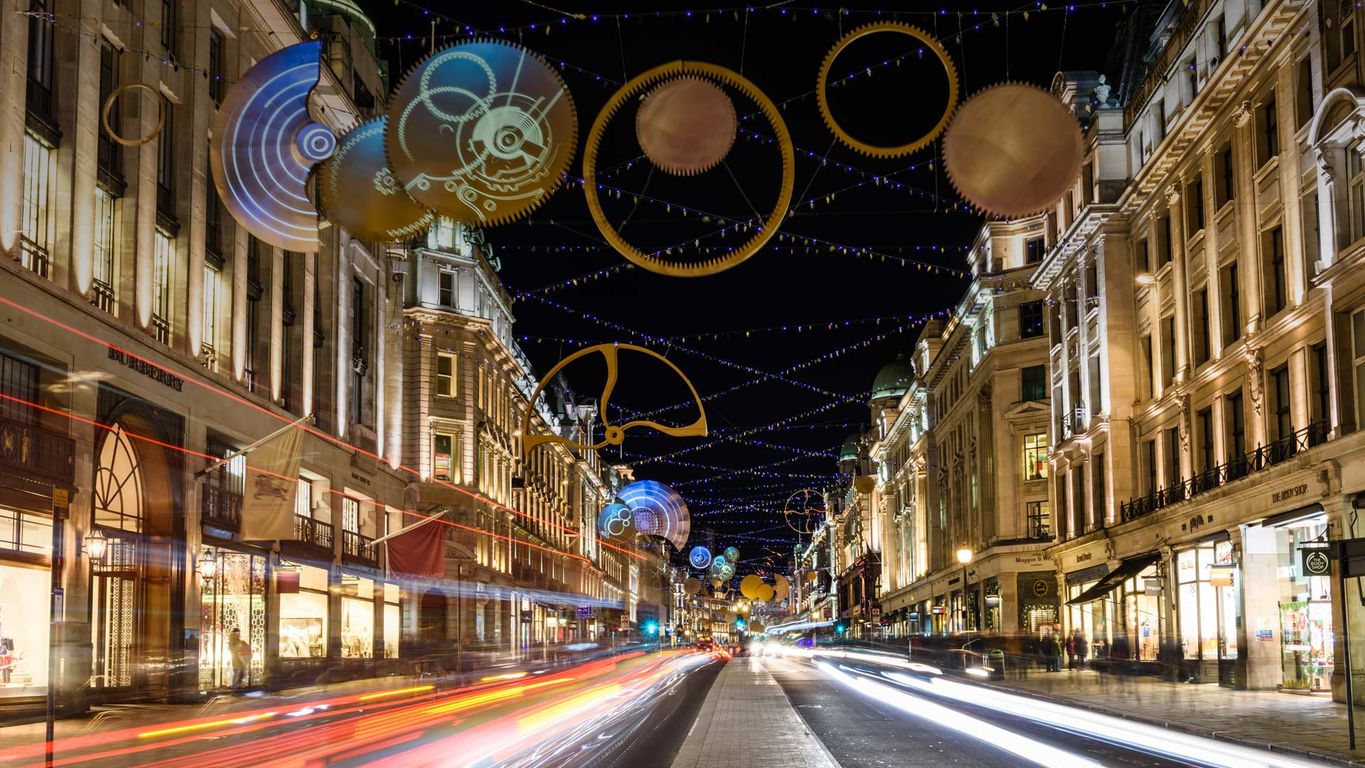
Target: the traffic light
pixel 841 627
pixel 741 624
pixel 652 628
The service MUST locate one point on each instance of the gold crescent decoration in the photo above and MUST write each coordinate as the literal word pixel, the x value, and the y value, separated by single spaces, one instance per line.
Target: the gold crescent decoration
pixel 876 150
pixel 109 107
pixel 641 83
pixel 615 435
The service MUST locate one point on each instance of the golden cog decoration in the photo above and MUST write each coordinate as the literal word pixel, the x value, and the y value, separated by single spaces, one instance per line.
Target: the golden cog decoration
pixel 107 111
pixel 718 75
pixel 686 126
pixel 356 188
pixel 1013 150
pixel 875 150
pixel 482 132
pixel 615 434
pixel 803 510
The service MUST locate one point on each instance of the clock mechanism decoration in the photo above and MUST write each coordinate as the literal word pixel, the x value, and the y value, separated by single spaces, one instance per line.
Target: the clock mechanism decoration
pixel 804 511
pixel 686 126
pixel 669 74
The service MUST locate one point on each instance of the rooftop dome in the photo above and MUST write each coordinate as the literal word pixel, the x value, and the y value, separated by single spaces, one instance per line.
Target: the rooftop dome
pixel 893 380
pixel 849 451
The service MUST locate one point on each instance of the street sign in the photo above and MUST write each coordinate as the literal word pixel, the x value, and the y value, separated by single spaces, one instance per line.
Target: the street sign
pixel 584 611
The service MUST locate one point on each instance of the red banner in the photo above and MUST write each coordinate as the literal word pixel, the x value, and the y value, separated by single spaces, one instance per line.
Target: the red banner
pixel 420 551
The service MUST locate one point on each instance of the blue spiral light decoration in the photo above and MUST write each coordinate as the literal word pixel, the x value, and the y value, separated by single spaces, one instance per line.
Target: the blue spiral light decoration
pixel 657 510
pixel 699 557
pixel 264 145
pixel 614 521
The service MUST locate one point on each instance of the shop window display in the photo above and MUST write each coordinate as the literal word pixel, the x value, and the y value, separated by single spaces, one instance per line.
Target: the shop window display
pixel 303 615
pixel 24 623
pixel 233 598
pixel 392 621
pixel 357 617
pixel 1306 624
pixel 1207 602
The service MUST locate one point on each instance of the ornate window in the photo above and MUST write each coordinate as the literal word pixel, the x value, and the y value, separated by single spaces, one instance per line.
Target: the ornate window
pixel 118 484
pixel 1035 456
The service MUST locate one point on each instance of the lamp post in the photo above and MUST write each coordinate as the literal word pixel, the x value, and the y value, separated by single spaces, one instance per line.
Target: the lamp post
pixel 964 556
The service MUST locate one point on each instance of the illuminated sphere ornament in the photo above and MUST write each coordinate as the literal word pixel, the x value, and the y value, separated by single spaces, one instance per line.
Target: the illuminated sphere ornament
pixel 691 585
pixel 357 190
pixel 751 586
pixel 265 143
pixel 757 628
pixel 699 557
pixel 614 521
pixel 715 583
pixel 732 554
pixel 766 593
pixel 1013 150
pixel 686 126
pixel 722 569
pixel 657 510
pixel 781 587
pixel 481 132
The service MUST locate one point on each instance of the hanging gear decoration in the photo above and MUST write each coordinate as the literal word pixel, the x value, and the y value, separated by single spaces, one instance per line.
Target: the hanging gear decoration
pixel 766 229
pixel 357 189
pixel 691 585
pixel 722 568
pixel 804 510
pixel 877 150
pixel 614 521
pixel 686 126
pixel 1013 150
pixel 265 143
pixel 657 510
pixel 751 586
pixel 482 132
pixel 108 110
pixel 699 558
pixel 614 435
pixel 781 587
pixel 731 554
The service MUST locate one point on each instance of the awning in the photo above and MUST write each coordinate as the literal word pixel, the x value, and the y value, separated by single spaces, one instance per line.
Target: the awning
pixel 1127 569
pixel 1285 519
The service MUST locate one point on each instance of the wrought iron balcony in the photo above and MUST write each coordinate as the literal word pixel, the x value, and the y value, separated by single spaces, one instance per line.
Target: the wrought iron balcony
pixel 102 296
pixel 221 506
pixel 311 531
pixel 1262 457
pixel 37 453
pixel 35 257
pixel 355 545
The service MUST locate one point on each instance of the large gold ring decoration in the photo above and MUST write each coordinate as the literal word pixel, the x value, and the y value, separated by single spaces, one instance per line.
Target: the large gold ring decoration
pixel 615 434
pixel 875 150
pixel 109 107
pixel 639 84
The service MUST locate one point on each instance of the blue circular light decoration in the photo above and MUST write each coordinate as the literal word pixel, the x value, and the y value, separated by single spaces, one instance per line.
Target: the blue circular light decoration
pixel 658 511
pixel 732 554
pixel 722 568
pixel 699 557
pixel 614 521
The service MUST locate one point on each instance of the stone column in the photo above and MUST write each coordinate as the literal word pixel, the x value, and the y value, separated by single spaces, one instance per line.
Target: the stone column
pixel 1259 588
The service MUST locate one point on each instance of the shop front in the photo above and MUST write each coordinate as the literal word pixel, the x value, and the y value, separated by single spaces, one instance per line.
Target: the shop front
pixel 1208 607
pixel 1119 614
pixel 1037 591
pixel 357 617
pixel 25 584
pixel 231 599
pixel 303 612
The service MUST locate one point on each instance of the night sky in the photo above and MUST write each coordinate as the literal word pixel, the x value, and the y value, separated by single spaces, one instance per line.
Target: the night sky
pixel 881 241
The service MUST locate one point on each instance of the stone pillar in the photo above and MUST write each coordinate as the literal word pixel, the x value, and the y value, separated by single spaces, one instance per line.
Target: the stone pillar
pixel 1259 593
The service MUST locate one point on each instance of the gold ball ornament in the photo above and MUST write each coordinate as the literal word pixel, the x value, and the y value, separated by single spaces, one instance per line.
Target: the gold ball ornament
pixel 686 126
pixel 691 585
pixel 1013 150
pixel 766 593
pixel 764 231
pixel 751 586
pixel 877 150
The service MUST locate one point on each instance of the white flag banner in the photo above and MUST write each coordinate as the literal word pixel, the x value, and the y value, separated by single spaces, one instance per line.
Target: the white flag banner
pixel 271 482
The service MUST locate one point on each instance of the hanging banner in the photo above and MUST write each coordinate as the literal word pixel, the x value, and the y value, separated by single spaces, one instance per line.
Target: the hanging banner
pixel 420 551
pixel 271 482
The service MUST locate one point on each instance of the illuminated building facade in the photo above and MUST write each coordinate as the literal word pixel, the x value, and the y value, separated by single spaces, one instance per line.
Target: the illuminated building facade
pixel 1204 287
pixel 958 449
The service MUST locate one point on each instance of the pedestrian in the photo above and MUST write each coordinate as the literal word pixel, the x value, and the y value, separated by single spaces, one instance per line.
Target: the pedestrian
pixel 1071 652
pixel 1051 652
pixel 240 651
pixel 1081 651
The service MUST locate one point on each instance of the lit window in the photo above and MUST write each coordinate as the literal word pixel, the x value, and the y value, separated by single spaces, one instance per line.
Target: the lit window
pixel 102 293
pixel 210 306
pixel 118 483
pixel 163 247
pixel 1035 456
pixel 443 449
pixel 445 374
pixel 37 225
pixel 446 288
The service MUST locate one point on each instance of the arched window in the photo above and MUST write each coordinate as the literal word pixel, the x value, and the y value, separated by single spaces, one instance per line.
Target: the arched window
pixel 118 484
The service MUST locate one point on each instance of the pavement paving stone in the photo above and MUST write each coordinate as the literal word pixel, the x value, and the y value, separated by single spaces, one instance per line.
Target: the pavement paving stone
pixel 1312 725
pixel 747 720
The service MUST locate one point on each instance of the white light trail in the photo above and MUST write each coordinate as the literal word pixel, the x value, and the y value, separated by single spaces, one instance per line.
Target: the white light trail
pixel 1032 750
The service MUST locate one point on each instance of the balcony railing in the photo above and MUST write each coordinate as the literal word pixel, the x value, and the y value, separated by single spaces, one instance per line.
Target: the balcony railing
pixel 161 329
pixel 1073 423
pixel 315 532
pixel 34 257
pixel 1263 457
pixel 102 296
pixel 36 453
pixel 356 545
pixel 221 506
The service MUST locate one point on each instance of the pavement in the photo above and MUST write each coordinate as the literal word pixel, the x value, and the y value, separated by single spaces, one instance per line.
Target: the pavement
pixel 1307 725
pixel 747 720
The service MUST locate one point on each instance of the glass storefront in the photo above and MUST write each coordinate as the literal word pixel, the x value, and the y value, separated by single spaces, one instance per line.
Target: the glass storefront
pixel 303 613
pixel 393 619
pixel 357 617
pixel 1208 605
pixel 232 597
pixel 1306 627
pixel 24 624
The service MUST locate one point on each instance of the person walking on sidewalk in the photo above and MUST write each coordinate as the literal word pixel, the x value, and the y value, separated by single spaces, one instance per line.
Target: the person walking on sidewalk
pixel 240 651
pixel 1080 651
pixel 1052 652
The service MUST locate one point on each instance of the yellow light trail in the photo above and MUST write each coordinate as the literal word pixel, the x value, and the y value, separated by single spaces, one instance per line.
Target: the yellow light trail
pixel 398 692
pixel 204 726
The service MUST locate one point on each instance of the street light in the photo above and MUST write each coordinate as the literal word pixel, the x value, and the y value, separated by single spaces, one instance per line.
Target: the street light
pixel 95 545
pixel 964 556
